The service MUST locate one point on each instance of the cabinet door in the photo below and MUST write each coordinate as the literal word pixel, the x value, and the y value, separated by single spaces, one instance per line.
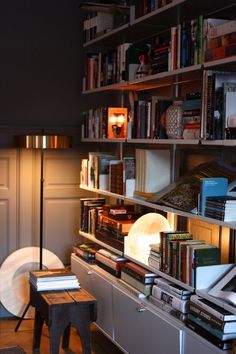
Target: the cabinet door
pixel 83 272
pixel 194 344
pixel 139 330
pixel 102 291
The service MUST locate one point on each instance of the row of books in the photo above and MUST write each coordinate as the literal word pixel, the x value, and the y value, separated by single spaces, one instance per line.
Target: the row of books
pixel 104 18
pixel 109 223
pixel 144 7
pixel 53 279
pixel 212 322
pixel 148 117
pixel 108 172
pixel 189 43
pixel 219 93
pixel 179 255
pixel 131 176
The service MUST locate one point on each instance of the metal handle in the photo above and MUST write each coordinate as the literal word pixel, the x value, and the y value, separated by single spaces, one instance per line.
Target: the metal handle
pixel 141 309
pixel 89 272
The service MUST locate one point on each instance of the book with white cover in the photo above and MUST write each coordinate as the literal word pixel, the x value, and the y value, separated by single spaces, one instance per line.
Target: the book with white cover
pixel 152 170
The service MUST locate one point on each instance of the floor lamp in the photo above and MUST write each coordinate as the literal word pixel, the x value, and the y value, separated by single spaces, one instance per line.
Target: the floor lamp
pixel 41 142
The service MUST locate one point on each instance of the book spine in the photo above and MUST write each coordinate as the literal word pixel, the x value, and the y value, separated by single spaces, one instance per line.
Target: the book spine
pixel 174 301
pixel 207 316
pixel 136 275
pixel 143 288
pixel 204 307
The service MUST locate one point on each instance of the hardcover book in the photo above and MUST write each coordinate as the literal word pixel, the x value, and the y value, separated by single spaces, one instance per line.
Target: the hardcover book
pixel 211 186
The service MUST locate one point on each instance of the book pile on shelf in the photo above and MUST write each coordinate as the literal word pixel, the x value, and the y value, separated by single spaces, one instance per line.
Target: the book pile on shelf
pixel 89 210
pixel 137 277
pixel 151 163
pixel 114 224
pixel 221 208
pixel 220 38
pixel 103 17
pixel 109 261
pixel 108 172
pixel 219 94
pixel 53 279
pixel 179 255
pixel 192 116
pixel 86 251
pixel 212 322
pixel 170 297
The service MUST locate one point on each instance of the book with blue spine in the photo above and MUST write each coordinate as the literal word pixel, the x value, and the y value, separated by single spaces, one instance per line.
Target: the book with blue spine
pixel 211 186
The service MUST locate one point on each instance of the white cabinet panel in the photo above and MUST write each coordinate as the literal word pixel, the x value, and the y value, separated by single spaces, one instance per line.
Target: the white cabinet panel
pixel 138 330
pixel 195 345
pixel 102 291
pixel 82 271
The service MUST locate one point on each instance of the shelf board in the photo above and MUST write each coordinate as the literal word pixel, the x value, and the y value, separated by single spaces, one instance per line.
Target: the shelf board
pixel 105 140
pixel 102 192
pixel 103 244
pixel 228 142
pixel 164 141
pixel 229 63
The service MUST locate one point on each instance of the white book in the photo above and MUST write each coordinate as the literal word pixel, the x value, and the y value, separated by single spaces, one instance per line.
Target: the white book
pixel 174 301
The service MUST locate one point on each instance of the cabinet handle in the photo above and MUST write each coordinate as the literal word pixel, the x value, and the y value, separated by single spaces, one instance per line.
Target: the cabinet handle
pixel 141 309
pixel 89 272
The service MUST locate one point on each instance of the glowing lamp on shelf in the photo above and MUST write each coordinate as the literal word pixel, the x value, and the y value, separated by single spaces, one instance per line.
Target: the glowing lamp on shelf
pixel 117 122
pixel 145 231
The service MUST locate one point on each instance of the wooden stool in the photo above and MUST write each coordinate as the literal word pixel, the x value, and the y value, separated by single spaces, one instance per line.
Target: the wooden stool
pixel 60 309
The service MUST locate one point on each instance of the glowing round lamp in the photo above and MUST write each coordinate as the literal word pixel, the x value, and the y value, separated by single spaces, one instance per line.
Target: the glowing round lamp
pixel 144 232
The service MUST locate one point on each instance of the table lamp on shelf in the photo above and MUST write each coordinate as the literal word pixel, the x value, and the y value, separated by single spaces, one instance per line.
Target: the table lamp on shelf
pixel 145 231
pixel 117 122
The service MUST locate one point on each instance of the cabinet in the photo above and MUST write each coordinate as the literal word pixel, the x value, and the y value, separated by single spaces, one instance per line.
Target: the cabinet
pixel 185 153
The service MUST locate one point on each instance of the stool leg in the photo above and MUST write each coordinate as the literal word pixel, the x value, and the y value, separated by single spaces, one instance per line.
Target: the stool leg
pixel 38 325
pixel 54 336
pixel 66 337
pixel 82 325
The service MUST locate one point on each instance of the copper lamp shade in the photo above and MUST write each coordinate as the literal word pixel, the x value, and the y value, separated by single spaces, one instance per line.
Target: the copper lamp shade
pixel 44 141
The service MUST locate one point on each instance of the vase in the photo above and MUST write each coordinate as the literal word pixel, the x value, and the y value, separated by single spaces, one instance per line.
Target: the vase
pixel 174 120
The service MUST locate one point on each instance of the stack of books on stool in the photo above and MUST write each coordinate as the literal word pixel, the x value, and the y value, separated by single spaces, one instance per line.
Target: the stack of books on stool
pixel 53 279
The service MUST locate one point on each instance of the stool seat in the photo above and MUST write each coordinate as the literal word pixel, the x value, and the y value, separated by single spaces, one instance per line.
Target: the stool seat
pixel 60 310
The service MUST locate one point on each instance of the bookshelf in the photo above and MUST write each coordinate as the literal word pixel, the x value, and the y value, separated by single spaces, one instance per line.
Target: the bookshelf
pixel 173 83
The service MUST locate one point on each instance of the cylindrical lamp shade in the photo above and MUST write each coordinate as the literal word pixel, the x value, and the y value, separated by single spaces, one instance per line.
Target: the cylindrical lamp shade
pixel 44 141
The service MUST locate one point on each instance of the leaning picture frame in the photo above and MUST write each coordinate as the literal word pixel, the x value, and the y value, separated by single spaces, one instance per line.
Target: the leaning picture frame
pixel 225 289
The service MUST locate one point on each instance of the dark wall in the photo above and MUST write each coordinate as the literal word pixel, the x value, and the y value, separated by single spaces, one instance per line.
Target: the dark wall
pixel 40 50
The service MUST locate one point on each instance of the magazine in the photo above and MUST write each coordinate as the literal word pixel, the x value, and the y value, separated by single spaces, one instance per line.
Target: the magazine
pixel 184 194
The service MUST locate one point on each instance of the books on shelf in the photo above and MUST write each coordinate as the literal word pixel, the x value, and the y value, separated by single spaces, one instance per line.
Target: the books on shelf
pixel 211 186
pixel 175 301
pixel 139 273
pixel 221 208
pixel 151 163
pixel 86 251
pixel 89 210
pixel 184 193
pixel 110 261
pixel 53 279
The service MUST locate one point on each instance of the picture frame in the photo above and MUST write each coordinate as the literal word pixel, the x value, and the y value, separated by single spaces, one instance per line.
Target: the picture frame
pixel 225 289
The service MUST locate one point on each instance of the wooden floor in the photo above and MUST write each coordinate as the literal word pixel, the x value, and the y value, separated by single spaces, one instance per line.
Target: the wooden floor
pixel 24 336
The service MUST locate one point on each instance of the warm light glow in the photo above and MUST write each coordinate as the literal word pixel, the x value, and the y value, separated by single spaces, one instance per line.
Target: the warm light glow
pixel 44 141
pixel 117 122
pixel 145 231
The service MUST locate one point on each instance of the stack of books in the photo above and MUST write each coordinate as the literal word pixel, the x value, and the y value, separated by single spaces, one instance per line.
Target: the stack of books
pixel 211 321
pixel 53 279
pixel 109 261
pixel 86 251
pixel 138 277
pixel 170 297
pixel 221 208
